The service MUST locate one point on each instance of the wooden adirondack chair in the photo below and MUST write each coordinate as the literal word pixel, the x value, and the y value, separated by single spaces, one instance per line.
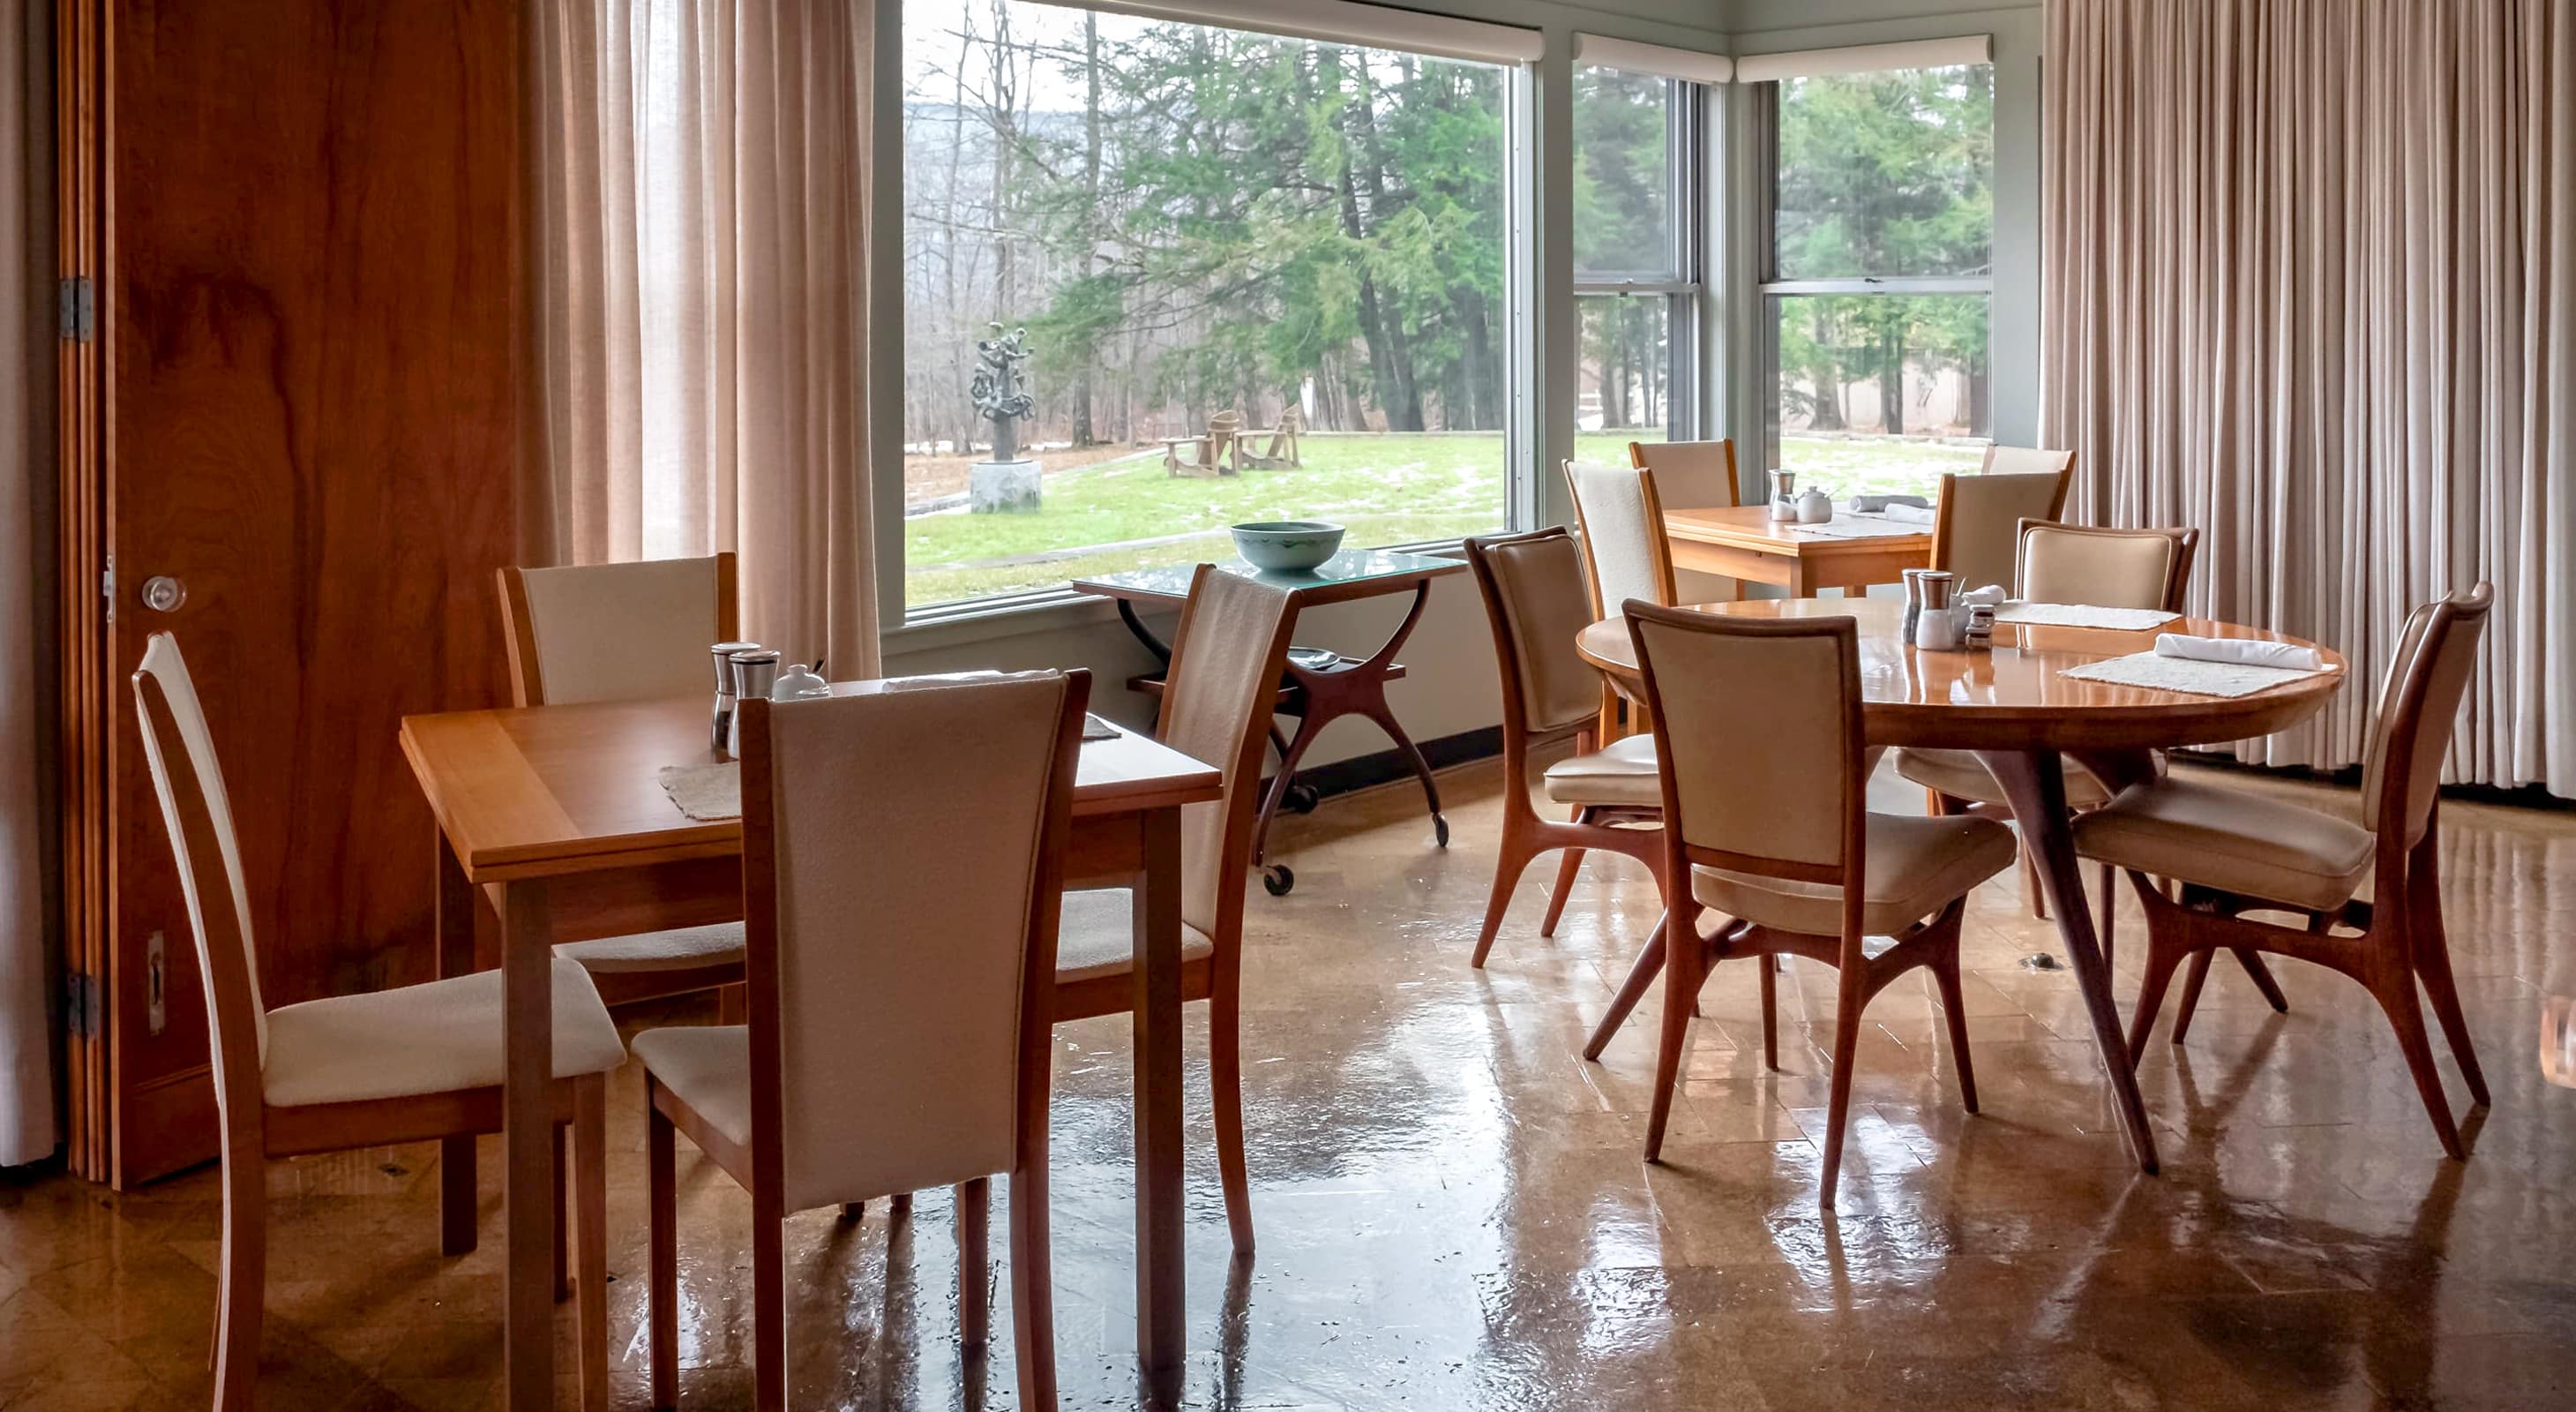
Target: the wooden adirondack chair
pixel 1216 451
pixel 1282 452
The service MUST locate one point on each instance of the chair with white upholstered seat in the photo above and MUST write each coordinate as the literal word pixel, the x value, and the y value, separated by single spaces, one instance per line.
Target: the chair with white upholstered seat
pixel 1976 526
pixel 902 897
pixel 1620 514
pixel 2232 852
pixel 1534 598
pixel 402 1065
pixel 1231 646
pixel 1693 475
pixel 629 632
pixel 1778 836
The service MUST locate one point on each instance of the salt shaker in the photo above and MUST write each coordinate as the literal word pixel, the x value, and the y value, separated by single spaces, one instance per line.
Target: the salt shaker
pixel 754 672
pixel 722 740
pixel 1936 628
pixel 1784 493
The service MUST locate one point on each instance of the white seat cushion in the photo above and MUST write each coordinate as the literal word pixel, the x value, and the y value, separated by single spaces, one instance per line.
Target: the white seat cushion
pixel 709 1067
pixel 679 949
pixel 1961 775
pixel 1097 936
pixel 1916 868
pixel 1622 774
pixel 2231 840
pixel 441 1037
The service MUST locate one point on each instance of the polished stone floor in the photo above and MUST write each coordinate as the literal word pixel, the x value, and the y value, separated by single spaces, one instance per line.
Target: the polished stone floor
pixel 1453 1212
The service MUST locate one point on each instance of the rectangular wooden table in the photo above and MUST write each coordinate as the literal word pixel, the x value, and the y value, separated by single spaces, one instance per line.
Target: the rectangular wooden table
pixel 1746 543
pixel 558 815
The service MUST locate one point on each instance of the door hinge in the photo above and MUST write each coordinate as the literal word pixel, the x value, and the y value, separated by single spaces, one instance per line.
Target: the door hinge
pixel 84 1005
pixel 76 309
pixel 107 586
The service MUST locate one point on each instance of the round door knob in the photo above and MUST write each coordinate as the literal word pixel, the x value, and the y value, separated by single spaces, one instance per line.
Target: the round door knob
pixel 164 594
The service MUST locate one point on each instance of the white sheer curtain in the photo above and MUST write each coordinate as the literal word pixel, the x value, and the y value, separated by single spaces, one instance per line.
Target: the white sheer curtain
pixel 702 287
pixel 2310 285
pixel 28 1123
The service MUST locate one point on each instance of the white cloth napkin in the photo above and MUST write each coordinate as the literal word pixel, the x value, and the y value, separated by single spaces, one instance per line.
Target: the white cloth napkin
pixel 2242 651
pixel 706 793
pixel 1909 514
pixel 1873 504
pixel 1991 596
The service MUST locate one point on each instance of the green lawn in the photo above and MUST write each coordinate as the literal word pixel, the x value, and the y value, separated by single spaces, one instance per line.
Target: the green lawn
pixel 1385 489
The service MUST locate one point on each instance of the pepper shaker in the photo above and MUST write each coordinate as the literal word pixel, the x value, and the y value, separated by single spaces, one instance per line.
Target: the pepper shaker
pixel 754 672
pixel 722 739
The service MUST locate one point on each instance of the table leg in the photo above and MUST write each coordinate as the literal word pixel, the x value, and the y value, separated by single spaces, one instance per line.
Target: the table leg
pixel 455 905
pixel 1127 614
pixel 2035 783
pixel 528 1151
pixel 1160 1271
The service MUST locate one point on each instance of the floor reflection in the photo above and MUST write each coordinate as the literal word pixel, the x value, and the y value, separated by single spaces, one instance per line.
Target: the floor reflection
pixel 1452 1212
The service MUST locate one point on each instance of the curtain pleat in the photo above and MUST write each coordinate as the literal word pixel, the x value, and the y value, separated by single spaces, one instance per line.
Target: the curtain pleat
pixel 2308 286
pixel 703 165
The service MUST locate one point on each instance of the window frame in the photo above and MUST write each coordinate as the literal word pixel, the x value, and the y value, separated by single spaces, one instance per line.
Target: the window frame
pixel 1684 284
pixel 1769 287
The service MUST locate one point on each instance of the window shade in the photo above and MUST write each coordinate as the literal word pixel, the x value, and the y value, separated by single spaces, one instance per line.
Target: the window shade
pixel 1342 22
pixel 1629 56
pixel 1866 58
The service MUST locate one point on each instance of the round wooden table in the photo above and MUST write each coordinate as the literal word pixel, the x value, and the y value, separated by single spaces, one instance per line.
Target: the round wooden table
pixel 2011 706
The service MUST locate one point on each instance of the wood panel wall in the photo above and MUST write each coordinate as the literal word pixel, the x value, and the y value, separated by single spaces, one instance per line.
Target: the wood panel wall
pixel 311 315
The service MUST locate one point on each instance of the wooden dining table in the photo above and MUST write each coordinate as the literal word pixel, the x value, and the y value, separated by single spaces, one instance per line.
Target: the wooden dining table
pixel 2012 706
pixel 1744 542
pixel 557 816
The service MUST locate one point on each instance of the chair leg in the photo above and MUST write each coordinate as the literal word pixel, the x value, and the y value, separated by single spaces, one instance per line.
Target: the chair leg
pixel 2162 959
pixel 2032 895
pixel 1682 971
pixel 563 1219
pixel 590 1226
pixel 2191 984
pixel 456 1213
pixel 1847 1008
pixel 2261 975
pixel 1032 1287
pixel 899 1206
pixel 1566 868
pixel 733 1004
pixel 854 1211
pixel 1510 860
pixel 768 1304
pixel 1945 974
pixel 974 1238
pixel 662 1280
pixel 244 1273
pixel 2433 966
pixel 1640 975
pixel 1225 1085
pixel 2397 998
pixel 2107 914
pixel 1770 1011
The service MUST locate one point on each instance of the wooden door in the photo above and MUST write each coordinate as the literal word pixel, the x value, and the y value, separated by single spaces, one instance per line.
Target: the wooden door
pixel 308 330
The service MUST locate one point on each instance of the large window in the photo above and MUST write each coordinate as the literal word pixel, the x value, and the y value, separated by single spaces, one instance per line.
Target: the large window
pixel 1201 229
pixel 1637 247
pixel 1879 268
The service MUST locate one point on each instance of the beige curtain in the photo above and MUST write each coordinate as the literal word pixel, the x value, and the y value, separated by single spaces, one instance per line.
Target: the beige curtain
pixel 701 170
pixel 28 963
pixel 2310 284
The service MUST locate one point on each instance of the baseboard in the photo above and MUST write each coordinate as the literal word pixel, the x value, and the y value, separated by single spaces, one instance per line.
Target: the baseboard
pixel 2528 796
pixel 1390 766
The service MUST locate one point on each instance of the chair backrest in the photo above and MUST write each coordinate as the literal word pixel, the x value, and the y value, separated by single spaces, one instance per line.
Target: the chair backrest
pixel 1228 656
pixel 2104 568
pixel 1758 738
pixel 616 632
pixel 1695 475
pixel 196 811
pixel 2419 704
pixel 1622 520
pixel 2026 461
pixel 903 857
pixel 1979 518
pixel 1536 602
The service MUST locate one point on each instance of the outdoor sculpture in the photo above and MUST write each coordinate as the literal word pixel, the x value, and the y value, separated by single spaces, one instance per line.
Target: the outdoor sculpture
pixel 1000 389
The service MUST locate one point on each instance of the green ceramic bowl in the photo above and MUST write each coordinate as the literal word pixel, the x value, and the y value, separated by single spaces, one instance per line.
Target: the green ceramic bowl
pixel 1287 546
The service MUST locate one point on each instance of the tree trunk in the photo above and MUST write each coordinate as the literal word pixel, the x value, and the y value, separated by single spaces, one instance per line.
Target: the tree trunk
pixel 1891 382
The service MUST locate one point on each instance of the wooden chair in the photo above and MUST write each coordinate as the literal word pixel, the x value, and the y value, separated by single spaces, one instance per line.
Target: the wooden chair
pixel 1625 556
pixel 2099 568
pixel 903 866
pixel 1216 452
pixel 1227 655
pixel 402 1065
pixel 2233 852
pixel 1693 475
pixel 1975 526
pixel 1759 738
pixel 1534 598
pixel 625 632
pixel 1281 453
